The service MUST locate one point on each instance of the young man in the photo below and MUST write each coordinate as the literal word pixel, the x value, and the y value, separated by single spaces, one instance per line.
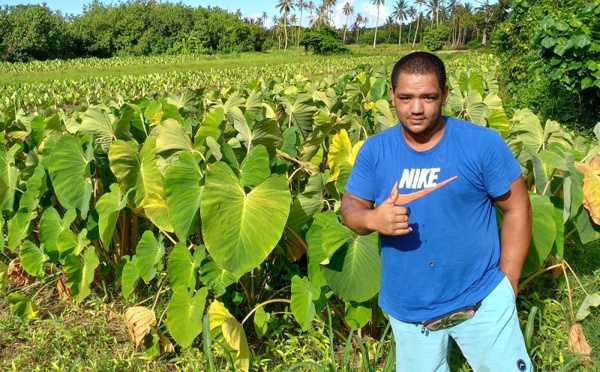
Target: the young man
pixel 434 181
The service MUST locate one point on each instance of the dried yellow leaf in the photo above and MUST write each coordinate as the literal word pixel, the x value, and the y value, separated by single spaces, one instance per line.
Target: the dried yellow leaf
pixel 577 341
pixel 64 292
pixel 165 345
pixel 140 321
pixel 591 187
pixel 17 274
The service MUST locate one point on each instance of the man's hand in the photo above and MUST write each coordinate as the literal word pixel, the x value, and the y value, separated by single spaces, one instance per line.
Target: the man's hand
pixel 358 214
pixel 390 219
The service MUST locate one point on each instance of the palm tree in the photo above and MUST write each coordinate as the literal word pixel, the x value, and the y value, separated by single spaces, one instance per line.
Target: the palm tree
pixel 389 22
pixel 399 14
pixel 264 17
pixel 412 12
pixel 419 15
pixel 301 6
pixel 377 3
pixel 433 10
pixel 285 6
pixel 329 5
pixel 357 22
pixel 238 13
pixel 347 10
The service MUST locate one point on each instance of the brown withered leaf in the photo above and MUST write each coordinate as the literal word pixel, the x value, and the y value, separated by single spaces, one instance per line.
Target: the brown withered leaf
pixel 165 344
pixel 578 344
pixel 111 315
pixel 557 271
pixel 64 292
pixel 294 245
pixel 591 187
pixel 17 274
pixel 140 321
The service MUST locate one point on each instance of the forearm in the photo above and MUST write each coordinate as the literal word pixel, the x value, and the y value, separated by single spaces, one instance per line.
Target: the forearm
pixel 356 215
pixel 514 240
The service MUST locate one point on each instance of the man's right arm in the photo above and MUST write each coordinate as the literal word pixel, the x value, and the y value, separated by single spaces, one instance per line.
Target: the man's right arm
pixel 358 214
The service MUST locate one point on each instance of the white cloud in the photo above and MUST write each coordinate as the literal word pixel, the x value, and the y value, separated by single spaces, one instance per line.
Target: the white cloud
pixel 369 11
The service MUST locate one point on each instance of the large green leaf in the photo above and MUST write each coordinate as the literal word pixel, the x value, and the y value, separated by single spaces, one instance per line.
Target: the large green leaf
pixel 130 277
pixel 171 140
pixel 300 112
pixel 304 293
pixel 527 129
pixel 183 267
pixel 358 314
pixel 543 233
pixel 255 167
pixel 265 132
pixel 183 191
pixel 306 203
pixel 80 273
pixel 70 176
pixel 476 111
pixel 68 243
pixel 108 207
pixel 354 269
pixel 140 173
pixel 8 177
pixel 19 225
pixel 216 278
pixel 3 277
pixel 51 226
pixel 149 253
pixel 184 314
pixel 584 310
pixel 21 306
pixel 241 229
pixel 384 117
pixel 32 259
pixel 99 123
pixel 212 125
pixel 497 120
pixel 316 253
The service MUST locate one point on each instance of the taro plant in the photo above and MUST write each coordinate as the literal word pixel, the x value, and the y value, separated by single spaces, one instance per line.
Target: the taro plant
pixel 226 203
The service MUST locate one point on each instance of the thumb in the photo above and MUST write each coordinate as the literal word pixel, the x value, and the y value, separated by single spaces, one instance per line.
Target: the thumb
pixel 393 193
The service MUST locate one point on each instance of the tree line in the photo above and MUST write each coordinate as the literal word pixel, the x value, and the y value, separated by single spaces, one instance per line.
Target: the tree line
pixel 145 27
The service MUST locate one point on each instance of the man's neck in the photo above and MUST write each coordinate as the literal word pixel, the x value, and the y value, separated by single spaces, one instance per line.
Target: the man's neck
pixel 425 141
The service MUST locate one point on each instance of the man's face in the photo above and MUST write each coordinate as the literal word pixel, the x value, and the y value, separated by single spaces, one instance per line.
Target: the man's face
pixel 418 100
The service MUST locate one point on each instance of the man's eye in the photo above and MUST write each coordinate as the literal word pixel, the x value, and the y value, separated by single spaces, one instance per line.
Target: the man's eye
pixel 429 99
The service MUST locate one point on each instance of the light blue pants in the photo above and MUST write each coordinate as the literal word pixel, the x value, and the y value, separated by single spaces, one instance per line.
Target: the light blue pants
pixel 491 340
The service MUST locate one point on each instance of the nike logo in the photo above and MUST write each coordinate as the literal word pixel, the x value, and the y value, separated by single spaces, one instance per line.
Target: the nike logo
pixel 407 198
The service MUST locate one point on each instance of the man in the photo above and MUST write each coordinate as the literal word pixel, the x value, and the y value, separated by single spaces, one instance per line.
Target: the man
pixel 434 181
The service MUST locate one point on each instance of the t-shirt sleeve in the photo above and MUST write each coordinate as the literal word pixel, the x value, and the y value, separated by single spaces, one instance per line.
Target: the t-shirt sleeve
pixel 362 178
pixel 501 167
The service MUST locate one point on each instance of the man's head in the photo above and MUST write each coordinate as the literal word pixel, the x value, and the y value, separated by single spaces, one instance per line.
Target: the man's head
pixel 418 93
pixel 420 63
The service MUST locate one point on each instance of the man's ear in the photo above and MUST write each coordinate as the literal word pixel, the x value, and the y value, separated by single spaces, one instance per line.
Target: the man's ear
pixel 392 96
pixel 445 93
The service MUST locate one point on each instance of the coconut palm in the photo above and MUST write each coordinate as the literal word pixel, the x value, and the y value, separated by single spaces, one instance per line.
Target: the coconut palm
pixel 357 22
pixel 348 9
pixel 301 6
pixel 399 14
pixel 411 12
pixel 329 5
pixel 419 16
pixel 238 13
pixel 285 6
pixel 377 3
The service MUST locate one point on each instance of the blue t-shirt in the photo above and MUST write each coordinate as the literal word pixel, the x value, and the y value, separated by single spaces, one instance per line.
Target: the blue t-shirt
pixel 451 257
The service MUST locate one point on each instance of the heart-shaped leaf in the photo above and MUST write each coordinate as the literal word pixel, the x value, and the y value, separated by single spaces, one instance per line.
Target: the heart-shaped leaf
pixel 80 273
pixel 304 293
pixel 241 229
pixel 184 314
pixel 183 267
pixel 149 253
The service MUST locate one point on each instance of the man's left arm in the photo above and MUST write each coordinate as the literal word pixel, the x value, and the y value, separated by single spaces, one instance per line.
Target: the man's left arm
pixel 516 230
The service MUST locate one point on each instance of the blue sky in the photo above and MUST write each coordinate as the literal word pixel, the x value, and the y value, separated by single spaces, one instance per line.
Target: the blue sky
pixel 249 8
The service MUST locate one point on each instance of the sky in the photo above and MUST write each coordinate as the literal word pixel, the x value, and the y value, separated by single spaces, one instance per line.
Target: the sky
pixel 249 8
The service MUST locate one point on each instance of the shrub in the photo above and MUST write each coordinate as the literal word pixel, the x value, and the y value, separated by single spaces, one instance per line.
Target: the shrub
pixel 323 42
pixel 435 37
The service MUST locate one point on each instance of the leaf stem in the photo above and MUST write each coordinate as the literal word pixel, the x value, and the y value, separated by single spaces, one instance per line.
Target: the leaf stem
pixel 536 274
pixel 263 304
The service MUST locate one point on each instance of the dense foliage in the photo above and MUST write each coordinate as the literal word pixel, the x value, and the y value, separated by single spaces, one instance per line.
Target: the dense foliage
pixel 323 42
pixel 525 74
pixel 138 27
pixel 436 37
pixel 227 201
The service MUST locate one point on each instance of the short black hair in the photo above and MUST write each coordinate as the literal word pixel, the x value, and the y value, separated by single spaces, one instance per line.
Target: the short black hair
pixel 420 63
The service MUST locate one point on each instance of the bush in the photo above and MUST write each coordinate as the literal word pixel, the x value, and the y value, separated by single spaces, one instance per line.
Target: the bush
pixel 474 44
pixel 323 42
pixel 436 37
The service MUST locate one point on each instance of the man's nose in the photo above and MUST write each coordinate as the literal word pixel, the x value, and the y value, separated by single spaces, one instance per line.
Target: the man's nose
pixel 416 106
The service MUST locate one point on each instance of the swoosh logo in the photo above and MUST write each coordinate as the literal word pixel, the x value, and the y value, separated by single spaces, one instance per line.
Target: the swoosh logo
pixel 407 198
